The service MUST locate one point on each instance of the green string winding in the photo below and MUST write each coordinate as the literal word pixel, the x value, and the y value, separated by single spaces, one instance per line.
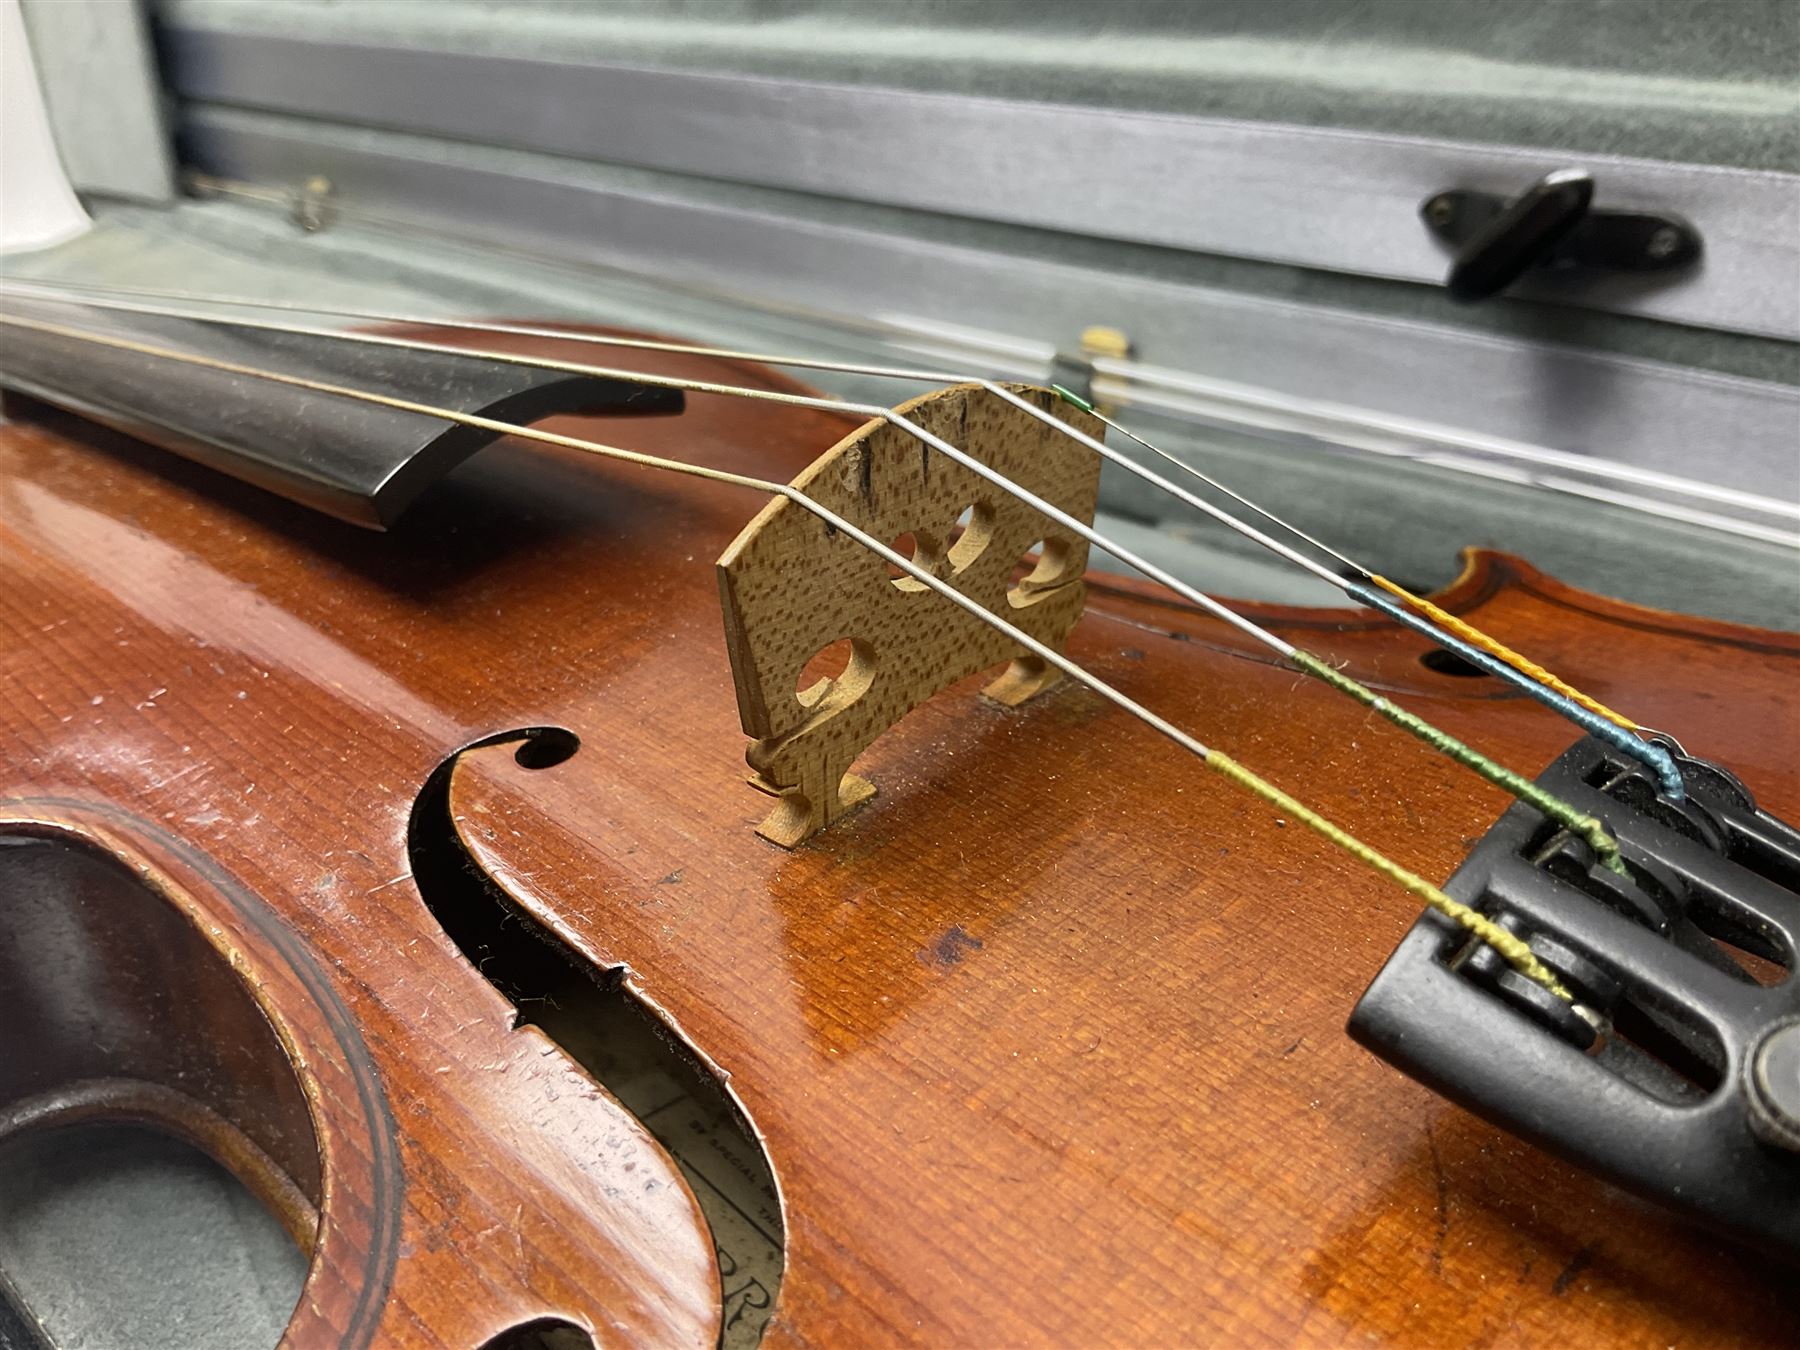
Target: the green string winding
pixel 1578 823
pixel 1512 948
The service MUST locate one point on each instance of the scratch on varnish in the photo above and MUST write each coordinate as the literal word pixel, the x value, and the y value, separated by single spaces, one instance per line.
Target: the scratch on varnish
pixel 1441 1235
pixel 1578 1264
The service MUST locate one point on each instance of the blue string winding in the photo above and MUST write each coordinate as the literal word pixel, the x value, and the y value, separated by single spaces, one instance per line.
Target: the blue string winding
pixel 1653 757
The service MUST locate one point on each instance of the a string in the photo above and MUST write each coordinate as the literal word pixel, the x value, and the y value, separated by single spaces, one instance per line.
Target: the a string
pixel 1561 812
pixel 1526 675
pixel 1440 616
pixel 1537 675
pixel 1514 949
pixel 888 328
pixel 1517 953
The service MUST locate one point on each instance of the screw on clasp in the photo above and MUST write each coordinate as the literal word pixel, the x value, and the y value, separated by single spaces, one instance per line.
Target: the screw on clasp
pixel 1552 224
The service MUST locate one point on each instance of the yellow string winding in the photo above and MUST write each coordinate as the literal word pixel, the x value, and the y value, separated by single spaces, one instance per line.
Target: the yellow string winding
pixel 1500 651
pixel 1517 952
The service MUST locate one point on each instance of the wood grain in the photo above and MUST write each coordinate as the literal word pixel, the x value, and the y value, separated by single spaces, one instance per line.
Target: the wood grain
pixel 791 586
pixel 1045 1042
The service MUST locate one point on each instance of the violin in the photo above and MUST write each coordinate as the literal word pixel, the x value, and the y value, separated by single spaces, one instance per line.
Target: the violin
pixel 415 875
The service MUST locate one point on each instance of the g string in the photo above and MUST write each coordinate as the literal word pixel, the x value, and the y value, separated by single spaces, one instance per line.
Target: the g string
pixel 1512 948
pixel 1375 591
pixel 1588 827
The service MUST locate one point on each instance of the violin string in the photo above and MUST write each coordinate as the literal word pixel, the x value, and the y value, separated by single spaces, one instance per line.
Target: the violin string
pixel 1442 617
pixel 898 329
pixel 1500 661
pixel 1463 639
pixel 1523 676
pixel 1515 950
pixel 887 328
pixel 1584 825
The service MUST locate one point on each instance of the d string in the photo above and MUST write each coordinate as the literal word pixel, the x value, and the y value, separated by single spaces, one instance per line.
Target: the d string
pixel 1443 618
pixel 1489 654
pixel 1512 948
pixel 1586 826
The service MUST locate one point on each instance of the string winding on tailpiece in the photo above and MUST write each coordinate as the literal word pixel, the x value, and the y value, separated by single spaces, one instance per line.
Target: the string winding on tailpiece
pixel 1660 761
pixel 1515 952
pixel 1587 827
pixel 1472 635
pixel 1477 647
pixel 1515 949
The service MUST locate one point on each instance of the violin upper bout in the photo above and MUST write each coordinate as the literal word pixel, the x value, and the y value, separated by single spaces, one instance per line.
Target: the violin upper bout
pixel 792 588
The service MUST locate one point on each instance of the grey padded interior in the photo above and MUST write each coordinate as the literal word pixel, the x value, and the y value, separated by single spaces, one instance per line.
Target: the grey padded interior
pixel 124 1238
pixel 1699 80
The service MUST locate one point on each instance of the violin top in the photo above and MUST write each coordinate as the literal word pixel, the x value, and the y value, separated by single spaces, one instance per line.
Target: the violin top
pixel 1041 1044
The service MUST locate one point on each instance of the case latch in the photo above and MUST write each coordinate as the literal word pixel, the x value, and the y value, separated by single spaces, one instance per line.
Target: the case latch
pixel 1551 224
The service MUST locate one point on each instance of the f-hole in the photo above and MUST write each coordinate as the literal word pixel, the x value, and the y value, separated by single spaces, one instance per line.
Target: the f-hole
pixel 544 1333
pixel 623 1045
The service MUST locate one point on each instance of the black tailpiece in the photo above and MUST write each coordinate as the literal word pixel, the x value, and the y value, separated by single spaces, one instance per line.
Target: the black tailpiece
pixel 1684 1085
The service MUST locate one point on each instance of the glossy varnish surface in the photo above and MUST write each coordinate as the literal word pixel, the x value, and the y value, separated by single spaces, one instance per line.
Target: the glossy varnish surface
pixel 1045 1041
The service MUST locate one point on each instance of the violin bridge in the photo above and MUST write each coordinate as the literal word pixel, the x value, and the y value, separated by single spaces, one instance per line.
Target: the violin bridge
pixel 797 594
